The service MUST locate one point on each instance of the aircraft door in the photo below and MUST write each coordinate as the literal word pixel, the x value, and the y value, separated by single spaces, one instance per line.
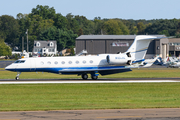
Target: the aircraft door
pixel 32 65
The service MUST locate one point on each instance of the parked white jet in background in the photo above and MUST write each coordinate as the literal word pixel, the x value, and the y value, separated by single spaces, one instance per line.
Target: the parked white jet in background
pixel 172 62
pixel 82 65
pixel 144 64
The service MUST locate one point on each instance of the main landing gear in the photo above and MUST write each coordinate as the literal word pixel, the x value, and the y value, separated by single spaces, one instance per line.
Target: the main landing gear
pixel 93 76
pixel 84 76
pixel 17 76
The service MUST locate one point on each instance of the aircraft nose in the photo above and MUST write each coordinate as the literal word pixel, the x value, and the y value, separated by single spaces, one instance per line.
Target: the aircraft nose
pixel 9 68
pixel 6 68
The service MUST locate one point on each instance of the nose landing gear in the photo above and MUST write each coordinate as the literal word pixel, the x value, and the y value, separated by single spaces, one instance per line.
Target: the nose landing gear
pixel 17 76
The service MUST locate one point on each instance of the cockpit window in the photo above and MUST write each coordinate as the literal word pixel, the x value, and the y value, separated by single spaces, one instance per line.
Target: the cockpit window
pixel 19 61
pixel 22 61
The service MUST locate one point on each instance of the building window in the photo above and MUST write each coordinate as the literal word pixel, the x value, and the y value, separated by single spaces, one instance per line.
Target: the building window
pixel 51 44
pixel 35 50
pixel 52 50
pixel 49 50
pixel 38 44
pixel 157 47
pixel 39 50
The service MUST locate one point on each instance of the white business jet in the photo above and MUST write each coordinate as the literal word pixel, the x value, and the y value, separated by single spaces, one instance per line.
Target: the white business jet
pixel 103 64
pixel 172 62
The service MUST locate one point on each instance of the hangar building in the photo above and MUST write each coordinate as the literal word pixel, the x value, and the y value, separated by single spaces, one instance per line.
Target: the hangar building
pixel 100 44
pixel 174 47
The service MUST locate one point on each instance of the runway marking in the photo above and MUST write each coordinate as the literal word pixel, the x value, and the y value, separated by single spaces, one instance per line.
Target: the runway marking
pixel 119 117
pixel 63 82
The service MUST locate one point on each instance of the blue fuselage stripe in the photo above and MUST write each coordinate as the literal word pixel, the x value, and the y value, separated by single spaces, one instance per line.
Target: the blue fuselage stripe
pixel 66 69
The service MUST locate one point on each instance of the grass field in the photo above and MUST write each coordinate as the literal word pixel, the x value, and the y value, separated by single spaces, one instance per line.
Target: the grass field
pixel 135 73
pixel 90 96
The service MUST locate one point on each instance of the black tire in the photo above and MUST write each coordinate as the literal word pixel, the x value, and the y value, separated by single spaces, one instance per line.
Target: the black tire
pixel 84 76
pixel 94 77
pixel 17 78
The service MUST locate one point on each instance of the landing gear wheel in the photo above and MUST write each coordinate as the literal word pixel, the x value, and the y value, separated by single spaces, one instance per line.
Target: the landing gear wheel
pixel 17 78
pixel 84 76
pixel 94 77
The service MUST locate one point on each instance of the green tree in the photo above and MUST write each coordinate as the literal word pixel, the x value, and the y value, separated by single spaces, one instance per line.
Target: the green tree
pixel 115 27
pixel 159 26
pixel 60 21
pixel 111 27
pixel 65 39
pixel 35 25
pixel 4 49
pixel 87 26
pixel 72 23
pixel 44 11
pixel 164 32
pixel 141 27
pixel 9 29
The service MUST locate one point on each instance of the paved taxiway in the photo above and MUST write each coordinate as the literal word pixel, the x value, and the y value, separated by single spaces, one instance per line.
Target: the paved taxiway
pixel 113 114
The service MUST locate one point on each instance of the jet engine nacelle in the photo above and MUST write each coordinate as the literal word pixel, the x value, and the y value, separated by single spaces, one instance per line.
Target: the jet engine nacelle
pixel 116 59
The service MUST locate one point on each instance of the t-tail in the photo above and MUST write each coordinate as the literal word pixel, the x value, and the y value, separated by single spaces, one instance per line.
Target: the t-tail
pixel 138 49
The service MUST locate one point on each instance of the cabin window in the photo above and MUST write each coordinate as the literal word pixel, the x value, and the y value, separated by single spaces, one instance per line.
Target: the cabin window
pixel 56 62
pixel 84 61
pixel 91 61
pixel 49 62
pixel 77 62
pixel 42 62
pixel 70 62
pixel 63 62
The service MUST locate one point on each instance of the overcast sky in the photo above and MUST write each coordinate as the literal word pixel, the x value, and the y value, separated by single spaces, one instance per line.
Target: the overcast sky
pixel 125 9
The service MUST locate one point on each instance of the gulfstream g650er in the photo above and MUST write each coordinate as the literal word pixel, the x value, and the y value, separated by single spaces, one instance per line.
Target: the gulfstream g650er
pixel 103 64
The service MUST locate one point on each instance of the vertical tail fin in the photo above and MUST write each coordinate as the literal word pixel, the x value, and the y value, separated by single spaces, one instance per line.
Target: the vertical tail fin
pixel 139 47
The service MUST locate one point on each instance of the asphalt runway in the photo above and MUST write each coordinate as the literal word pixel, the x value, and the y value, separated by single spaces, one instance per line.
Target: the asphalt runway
pixel 119 80
pixel 112 114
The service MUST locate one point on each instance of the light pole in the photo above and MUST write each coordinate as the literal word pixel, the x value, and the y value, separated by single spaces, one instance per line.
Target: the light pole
pixel 22 44
pixel 27 40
